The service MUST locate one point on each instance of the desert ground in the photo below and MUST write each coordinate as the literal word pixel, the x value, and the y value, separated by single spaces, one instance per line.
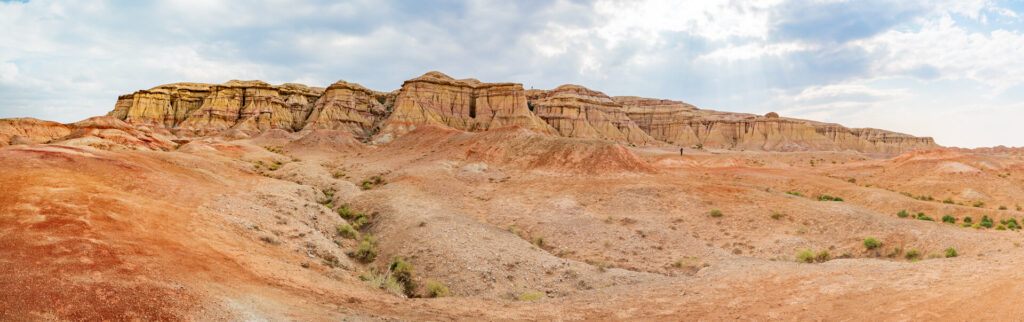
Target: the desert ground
pixel 515 225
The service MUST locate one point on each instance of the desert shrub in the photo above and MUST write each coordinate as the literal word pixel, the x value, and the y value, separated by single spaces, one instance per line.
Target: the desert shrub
pixel 538 241
pixel 436 289
pixel 822 256
pixel 1012 223
pixel 949 219
pixel 1000 227
pixel 912 254
pixel 401 270
pixel 923 217
pixel 794 193
pixel 871 243
pixel 966 224
pixel 1002 207
pixel 366 185
pixel 976 225
pixel 274 166
pixel 338 174
pixel 987 224
pixel 968 219
pixel 531 296
pixel 805 256
pixel 978 204
pixel 776 215
pixel 829 198
pixel 902 213
pixel 360 221
pixel 716 213
pixel 367 250
pixel 851 180
pixel 346 213
pixel 895 252
pixel 948 201
pixel 347 231
pixel 950 252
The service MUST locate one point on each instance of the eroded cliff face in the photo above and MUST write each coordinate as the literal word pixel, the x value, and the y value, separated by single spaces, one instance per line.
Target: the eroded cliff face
pixel 576 111
pixel 465 104
pixel 471 105
pixel 683 124
pixel 27 130
pixel 244 105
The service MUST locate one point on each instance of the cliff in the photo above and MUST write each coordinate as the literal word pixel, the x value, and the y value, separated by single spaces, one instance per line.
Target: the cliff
pixel 470 105
pixel 466 104
pixel 575 111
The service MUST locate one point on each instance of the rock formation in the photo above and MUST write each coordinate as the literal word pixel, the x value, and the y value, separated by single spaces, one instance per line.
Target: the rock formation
pixel 575 111
pixel 30 131
pixel 189 109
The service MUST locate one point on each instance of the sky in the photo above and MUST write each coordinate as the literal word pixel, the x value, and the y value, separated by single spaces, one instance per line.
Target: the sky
pixel 949 69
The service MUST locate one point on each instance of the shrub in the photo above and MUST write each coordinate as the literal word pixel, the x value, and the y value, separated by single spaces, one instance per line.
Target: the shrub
pixel 949 219
pixel 347 231
pixel 538 241
pixel 794 193
pixel 912 254
pixel 966 224
pixel 948 201
pixel 1002 207
pixel 950 252
pixel 376 279
pixel 923 217
pixel 435 289
pixel 776 215
pixel 401 270
pixel 1000 227
pixel 531 296
pixel 367 250
pixel 366 185
pixel 978 204
pixel 902 214
pixel 337 174
pixel 986 224
pixel 871 243
pixel 895 251
pixel 805 256
pixel 851 180
pixel 716 213
pixel 823 256
pixel 976 225
pixel 968 219
pixel 829 198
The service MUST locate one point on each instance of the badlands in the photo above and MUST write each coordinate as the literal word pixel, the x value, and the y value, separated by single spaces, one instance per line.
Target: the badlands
pixel 453 199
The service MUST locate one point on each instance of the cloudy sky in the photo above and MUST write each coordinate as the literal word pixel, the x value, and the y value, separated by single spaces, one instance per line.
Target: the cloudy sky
pixel 953 70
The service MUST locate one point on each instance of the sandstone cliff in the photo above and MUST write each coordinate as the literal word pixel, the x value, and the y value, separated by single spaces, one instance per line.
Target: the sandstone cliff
pixel 575 111
pixel 466 104
pixel 351 108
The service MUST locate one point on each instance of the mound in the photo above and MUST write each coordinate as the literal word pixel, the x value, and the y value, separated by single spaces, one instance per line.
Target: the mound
pixel 108 133
pixel 29 131
pixel 325 141
pixel 520 148
pixel 275 137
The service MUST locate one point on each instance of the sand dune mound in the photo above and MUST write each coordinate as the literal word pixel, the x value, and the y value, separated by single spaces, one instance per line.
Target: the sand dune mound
pixel 524 149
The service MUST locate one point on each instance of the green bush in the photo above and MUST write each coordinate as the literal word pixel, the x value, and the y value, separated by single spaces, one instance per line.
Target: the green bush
pixel 947 201
pixel 1002 207
pixel 401 270
pixel 367 250
pixel 923 217
pixel 871 243
pixel 794 193
pixel 1000 227
pixel 716 213
pixel 950 252
pixel 347 231
pixel 968 219
pixel 822 256
pixel 829 198
pixel 776 215
pixel 436 289
pixel 966 224
pixel 903 214
pixel 949 219
pixel 978 204
pixel 805 256
pixel 912 254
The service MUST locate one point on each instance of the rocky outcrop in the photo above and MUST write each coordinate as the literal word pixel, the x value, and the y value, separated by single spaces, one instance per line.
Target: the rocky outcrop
pixel 575 111
pixel 465 104
pixel 28 130
pixel 351 108
pixel 246 105
pixel 683 124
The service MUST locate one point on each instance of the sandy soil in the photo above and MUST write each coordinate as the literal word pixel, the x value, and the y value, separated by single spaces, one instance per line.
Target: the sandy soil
pixel 240 227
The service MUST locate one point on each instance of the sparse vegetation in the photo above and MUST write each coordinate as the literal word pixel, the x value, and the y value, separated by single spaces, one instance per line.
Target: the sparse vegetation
pixel 948 201
pixel 903 213
pixel 794 193
pixel 777 215
pixel 829 198
pixel 822 256
pixel 978 204
pixel 367 251
pixel 805 256
pixel 716 213
pixel 921 216
pixel 402 271
pixel 949 219
pixel 347 231
pixel 911 254
pixel 531 296
pixel 383 280
pixel 436 289
pixel 950 252
pixel 372 182
pixel 968 219
pixel 1002 207
pixel 871 243
pixel 851 180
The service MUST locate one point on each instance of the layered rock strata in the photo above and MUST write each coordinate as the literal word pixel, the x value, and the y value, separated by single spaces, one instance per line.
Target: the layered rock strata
pixel 575 111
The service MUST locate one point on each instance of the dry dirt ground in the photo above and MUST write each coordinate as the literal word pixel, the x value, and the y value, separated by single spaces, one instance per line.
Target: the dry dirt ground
pixel 518 226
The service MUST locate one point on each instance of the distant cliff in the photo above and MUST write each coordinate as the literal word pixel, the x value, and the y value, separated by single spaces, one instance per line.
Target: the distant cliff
pixel 471 105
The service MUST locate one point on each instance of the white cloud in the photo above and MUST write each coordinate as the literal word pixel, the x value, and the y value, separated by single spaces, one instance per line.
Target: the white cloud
pixel 749 51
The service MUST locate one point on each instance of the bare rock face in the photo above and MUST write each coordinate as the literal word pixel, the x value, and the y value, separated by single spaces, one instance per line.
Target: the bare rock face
pixel 351 108
pixel 30 131
pixel 575 111
pixel 683 124
pixel 466 104
pixel 246 105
